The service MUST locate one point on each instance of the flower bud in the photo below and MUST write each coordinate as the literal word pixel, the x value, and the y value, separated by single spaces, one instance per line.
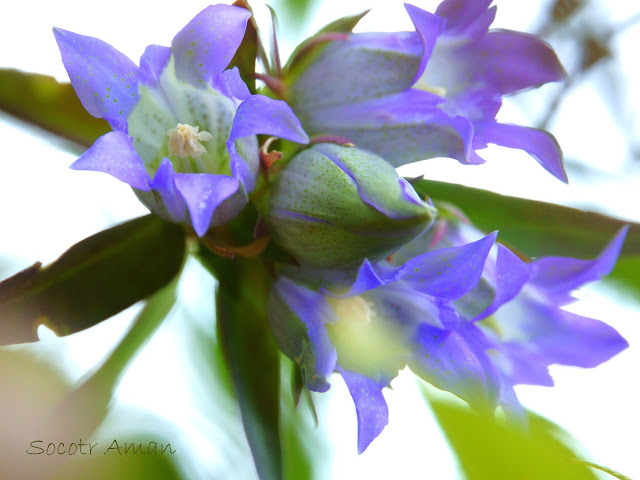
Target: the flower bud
pixel 333 206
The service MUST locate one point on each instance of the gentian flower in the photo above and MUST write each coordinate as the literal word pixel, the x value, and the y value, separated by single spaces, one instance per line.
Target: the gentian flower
pixel 513 320
pixel 434 92
pixel 369 323
pixel 333 206
pixel 184 127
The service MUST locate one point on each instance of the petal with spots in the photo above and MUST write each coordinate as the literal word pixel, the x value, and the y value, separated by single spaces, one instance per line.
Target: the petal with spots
pixel 361 68
pixel 152 63
pixel 113 153
pixel 371 407
pixel 104 79
pixel 449 273
pixel 230 84
pixel 206 45
pixel 260 115
pixel 203 194
pixel 444 359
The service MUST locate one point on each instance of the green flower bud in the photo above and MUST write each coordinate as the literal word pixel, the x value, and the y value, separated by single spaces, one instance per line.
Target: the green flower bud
pixel 334 206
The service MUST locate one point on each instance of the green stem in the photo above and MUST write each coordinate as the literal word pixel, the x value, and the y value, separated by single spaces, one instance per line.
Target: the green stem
pixel 251 354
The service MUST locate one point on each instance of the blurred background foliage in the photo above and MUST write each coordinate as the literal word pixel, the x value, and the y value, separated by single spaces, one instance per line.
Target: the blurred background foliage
pixel 41 397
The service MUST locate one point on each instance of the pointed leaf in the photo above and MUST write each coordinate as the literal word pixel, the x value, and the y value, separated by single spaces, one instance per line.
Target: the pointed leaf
pixel 544 229
pixel 487 449
pixel 43 102
pixel 95 279
pixel 532 227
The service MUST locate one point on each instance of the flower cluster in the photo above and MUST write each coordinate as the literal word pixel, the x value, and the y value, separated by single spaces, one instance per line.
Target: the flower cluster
pixel 362 285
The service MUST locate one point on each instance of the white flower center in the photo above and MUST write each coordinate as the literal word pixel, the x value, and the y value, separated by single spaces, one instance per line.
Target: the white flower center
pixel 184 141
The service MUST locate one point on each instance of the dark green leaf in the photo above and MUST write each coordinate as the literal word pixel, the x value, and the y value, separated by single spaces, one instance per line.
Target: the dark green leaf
pixel 488 450
pixel 245 57
pixel 93 280
pixel 251 354
pixel 534 228
pixel 627 274
pixel 537 228
pixel 41 101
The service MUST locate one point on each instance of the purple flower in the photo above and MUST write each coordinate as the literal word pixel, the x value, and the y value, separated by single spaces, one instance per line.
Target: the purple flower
pixel 370 323
pixel 184 127
pixel 333 206
pixel 513 320
pixel 434 92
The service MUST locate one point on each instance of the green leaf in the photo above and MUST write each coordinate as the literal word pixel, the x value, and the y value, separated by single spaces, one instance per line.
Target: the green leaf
pixel 538 228
pixel 626 274
pixel 299 440
pixel 245 57
pixel 251 354
pixel 43 102
pixel 95 279
pixel 487 450
pixel 535 228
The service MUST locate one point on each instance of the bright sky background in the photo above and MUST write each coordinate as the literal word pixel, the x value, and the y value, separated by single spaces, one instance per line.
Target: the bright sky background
pixel 45 208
